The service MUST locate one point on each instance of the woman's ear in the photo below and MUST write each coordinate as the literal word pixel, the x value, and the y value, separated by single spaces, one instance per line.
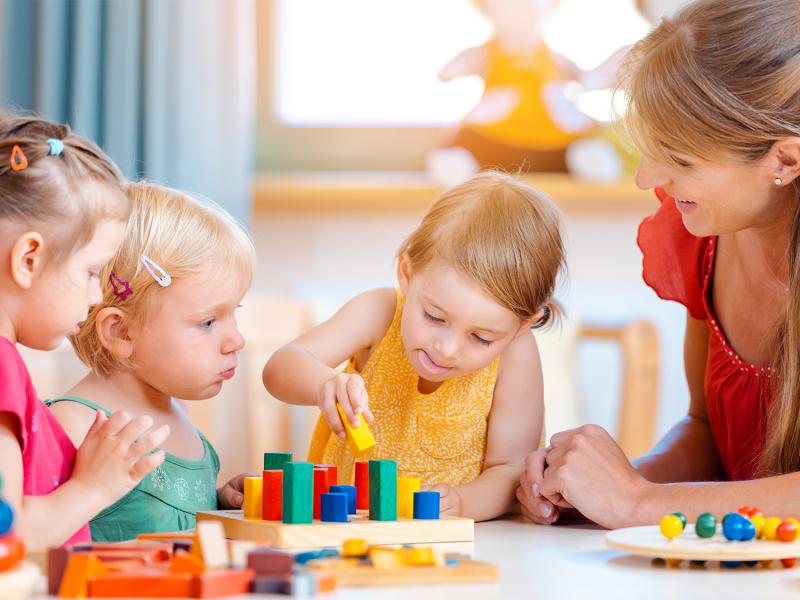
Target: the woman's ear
pixel 403 272
pixel 786 154
pixel 112 329
pixel 26 258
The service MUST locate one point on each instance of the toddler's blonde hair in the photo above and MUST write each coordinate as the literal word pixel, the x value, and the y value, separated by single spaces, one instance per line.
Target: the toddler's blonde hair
pixel 185 237
pixel 501 233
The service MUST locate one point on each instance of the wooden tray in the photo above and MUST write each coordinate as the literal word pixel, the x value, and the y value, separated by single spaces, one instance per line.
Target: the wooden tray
pixel 648 541
pixel 466 571
pixel 319 534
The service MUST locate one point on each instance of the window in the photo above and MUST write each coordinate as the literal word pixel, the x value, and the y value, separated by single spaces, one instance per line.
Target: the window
pixel 340 77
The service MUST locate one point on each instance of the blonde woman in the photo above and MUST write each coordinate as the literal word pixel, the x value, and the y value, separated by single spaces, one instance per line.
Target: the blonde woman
pixel 445 367
pixel 715 110
pixel 164 331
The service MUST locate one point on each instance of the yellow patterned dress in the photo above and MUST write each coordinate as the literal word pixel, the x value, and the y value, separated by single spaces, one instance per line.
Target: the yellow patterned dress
pixel 438 437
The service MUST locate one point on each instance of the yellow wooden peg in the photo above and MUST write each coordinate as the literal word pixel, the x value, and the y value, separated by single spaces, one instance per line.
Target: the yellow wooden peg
pixel 406 486
pixel 360 437
pixel 419 556
pixel 253 488
pixel 354 548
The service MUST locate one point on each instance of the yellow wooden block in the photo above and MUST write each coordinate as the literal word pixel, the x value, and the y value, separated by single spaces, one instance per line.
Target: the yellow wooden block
pixel 386 558
pixel 354 547
pixel 253 488
pixel 406 486
pixel 419 556
pixel 360 437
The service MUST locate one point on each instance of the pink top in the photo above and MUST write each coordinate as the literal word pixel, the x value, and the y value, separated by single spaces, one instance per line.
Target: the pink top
pixel 47 453
pixel 680 267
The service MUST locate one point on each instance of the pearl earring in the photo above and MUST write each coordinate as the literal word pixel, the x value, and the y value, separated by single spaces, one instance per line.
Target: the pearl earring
pixel 778 181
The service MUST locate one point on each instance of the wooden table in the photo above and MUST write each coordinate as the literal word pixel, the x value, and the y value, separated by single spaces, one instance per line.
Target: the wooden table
pixel 573 562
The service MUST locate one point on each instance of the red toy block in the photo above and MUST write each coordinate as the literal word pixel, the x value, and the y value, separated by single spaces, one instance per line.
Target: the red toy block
pixel 57 559
pixel 268 562
pixel 145 582
pixel 215 583
pixel 333 473
pixel 362 485
pixel 272 495
pixel 320 487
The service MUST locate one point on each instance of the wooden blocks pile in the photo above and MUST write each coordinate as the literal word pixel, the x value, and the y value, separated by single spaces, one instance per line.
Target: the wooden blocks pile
pixel 165 569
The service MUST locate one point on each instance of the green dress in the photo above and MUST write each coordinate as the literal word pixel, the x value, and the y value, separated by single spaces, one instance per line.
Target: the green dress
pixel 165 500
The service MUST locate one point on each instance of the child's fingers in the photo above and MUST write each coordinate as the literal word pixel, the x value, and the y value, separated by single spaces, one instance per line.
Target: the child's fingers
pixel 149 441
pixel 146 464
pixel 328 408
pixel 230 497
pixel 133 430
pixel 116 422
pixel 343 398
pixel 357 395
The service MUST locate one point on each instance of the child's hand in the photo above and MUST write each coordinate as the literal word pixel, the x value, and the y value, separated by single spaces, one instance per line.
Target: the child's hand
pixel 536 507
pixel 116 454
pixel 231 495
pixel 348 390
pixel 449 499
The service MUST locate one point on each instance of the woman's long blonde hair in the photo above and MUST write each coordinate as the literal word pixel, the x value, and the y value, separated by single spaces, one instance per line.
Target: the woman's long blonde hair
pixel 724 76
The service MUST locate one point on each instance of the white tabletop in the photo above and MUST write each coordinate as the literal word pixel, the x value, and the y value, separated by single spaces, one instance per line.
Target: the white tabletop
pixel 574 562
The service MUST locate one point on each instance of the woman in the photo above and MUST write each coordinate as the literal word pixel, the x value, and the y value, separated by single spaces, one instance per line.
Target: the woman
pixel 714 107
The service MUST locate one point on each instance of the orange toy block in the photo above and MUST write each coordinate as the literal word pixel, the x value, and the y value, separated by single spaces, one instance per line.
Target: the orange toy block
pixel 215 583
pixel 183 562
pixel 146 582
pixel 81 569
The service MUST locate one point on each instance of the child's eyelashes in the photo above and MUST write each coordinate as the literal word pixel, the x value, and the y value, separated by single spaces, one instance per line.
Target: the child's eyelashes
pixel 430 317
pixel 481 340
pixel 207 323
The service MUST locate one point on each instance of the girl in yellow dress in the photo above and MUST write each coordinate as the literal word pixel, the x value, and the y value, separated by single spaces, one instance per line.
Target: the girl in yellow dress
pixel 444 368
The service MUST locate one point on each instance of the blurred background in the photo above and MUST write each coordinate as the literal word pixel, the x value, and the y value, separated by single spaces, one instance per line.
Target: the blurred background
pixel 328 127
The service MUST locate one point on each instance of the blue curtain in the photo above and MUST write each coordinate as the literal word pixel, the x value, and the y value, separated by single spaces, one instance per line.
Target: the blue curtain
pixel 166 87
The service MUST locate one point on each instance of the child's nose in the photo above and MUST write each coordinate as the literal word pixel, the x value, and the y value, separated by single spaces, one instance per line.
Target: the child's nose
pixel 234 342
pixel 447 347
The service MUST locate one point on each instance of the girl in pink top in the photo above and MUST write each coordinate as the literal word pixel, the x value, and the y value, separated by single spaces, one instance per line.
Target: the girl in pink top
pixel 62 217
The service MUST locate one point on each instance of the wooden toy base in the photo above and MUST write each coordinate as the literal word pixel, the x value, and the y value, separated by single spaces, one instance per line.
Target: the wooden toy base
pixel 319 534
pixel 648 541
pixel 466 571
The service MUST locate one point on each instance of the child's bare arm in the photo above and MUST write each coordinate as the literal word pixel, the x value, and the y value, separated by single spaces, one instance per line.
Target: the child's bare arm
pixel 114 457
pixel 515 426
pixel 303 371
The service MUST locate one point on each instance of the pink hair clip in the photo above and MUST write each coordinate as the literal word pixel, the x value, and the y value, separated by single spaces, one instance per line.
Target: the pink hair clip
pixel 162 277
pixel 121 288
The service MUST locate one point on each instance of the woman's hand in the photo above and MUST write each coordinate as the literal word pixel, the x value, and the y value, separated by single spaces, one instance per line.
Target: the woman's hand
pixel 534 505
pixel 588 470
pixel 347 390
pixel 231 495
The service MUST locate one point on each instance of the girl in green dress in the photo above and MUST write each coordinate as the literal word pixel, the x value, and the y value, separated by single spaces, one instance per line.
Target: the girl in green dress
pixel 165 331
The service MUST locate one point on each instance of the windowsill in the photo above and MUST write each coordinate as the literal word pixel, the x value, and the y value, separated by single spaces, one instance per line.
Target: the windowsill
pixel 413 192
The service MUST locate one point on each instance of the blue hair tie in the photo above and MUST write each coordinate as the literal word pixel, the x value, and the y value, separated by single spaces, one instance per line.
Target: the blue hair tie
pixel 56 147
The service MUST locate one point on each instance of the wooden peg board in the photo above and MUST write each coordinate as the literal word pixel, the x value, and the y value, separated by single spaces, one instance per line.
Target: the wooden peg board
pixel 648 541
pixel 319 534
pixel 363 575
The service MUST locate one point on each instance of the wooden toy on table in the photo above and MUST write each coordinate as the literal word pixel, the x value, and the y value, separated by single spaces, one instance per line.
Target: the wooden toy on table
pixel 297 528
pixel 361 565
pixel 745 535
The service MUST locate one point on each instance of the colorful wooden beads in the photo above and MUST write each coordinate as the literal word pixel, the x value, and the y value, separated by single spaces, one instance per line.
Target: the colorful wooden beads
pixel 786 531
pixel 706 525
pixel 670 526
